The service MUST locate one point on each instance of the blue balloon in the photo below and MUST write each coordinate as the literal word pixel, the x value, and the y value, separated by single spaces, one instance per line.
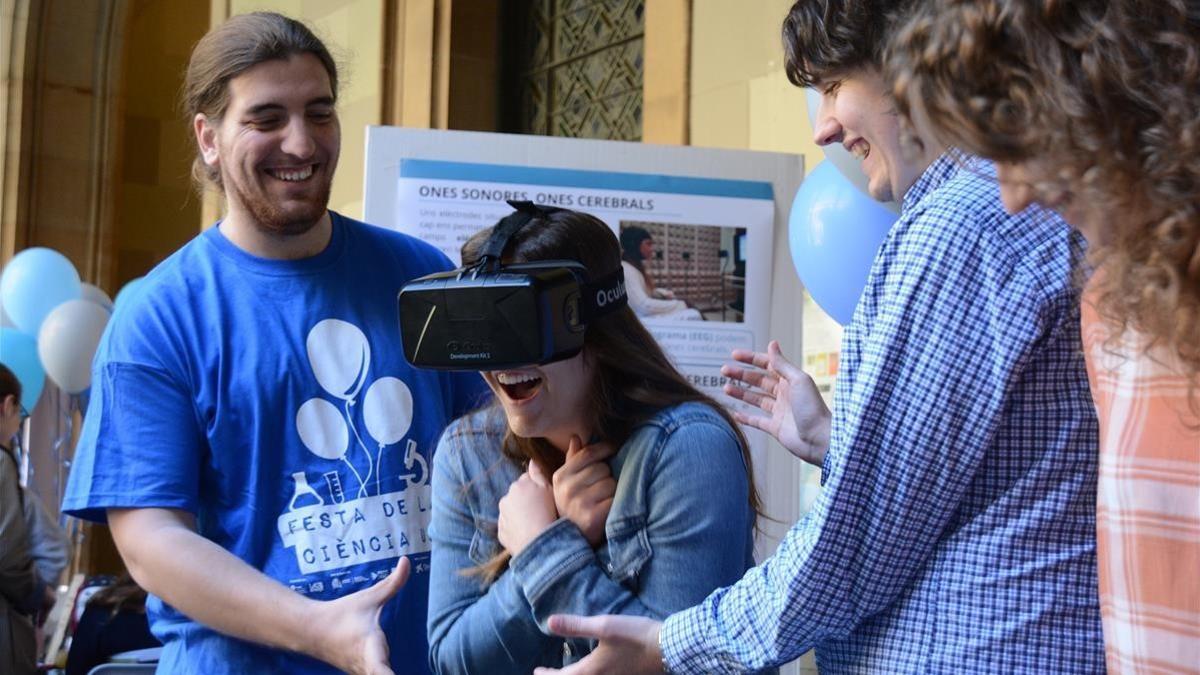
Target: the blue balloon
pixel 835 231
pixel 19 352
pixel 34 282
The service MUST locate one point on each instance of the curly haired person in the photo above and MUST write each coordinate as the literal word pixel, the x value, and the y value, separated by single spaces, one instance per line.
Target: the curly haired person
pixel 1090 108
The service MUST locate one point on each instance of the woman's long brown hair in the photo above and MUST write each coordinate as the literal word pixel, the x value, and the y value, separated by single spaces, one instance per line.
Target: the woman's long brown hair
pixel 634 379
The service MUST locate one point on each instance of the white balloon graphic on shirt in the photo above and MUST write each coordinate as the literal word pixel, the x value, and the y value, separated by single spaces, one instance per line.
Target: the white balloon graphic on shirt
pixel 325 433
pixel 339 354
pixel 329 524
pixel 321 429
pixel 387 412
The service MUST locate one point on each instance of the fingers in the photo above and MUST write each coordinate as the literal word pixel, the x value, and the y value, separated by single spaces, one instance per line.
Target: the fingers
pixel 534 475
pixel 573 625
pixel 537 475
pixel 595 495
pixel 773 362
pixel 577 668
pixel 594 454
pixel 756 359
pixel 392 584
pixel 603 506
pixel 762 379
pixel 760 423
pixel 757 399
pixel 780 364
pixel 765 402
pixel 592 482
pixel 592 474
pixel 603 449
pixel 574 446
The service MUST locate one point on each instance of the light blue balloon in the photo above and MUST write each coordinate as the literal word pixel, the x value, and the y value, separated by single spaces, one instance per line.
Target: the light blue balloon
pixel 835 231
pixel 34 282
pixel 19 352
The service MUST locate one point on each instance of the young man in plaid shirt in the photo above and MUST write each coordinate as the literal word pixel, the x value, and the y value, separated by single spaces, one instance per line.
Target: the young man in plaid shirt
pixel 956 528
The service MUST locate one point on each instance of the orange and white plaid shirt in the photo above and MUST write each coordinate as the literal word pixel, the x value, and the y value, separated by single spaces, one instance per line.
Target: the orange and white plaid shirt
pixel 1148 518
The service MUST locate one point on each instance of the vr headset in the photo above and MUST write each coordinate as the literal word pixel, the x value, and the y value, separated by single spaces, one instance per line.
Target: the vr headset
pixel 492 316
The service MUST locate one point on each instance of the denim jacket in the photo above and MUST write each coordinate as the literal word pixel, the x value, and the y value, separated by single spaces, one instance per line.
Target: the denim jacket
pixel 679 527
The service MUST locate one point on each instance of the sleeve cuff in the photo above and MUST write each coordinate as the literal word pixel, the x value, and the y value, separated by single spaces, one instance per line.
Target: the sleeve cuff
pixel 672 642
pixel 559 551
pixel 826 465
pixel 682 641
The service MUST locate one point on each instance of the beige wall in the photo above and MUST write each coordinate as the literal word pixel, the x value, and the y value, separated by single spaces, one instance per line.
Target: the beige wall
pixel 156 206
pixel 740 95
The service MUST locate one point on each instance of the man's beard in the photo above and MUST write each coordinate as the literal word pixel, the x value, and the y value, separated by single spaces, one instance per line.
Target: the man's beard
pixel 271 219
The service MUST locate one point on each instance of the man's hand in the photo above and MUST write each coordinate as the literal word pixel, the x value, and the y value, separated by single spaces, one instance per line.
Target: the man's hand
pixel 166 556
pixel 584 488
pixel 526 510
pixel 352 640
pixel 797 416
pixel 628 644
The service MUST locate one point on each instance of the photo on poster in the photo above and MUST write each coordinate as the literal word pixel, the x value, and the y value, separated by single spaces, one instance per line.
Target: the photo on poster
pixel 681 271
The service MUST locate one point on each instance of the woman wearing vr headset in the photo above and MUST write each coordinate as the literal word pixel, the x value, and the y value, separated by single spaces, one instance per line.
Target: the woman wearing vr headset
pixel 602 483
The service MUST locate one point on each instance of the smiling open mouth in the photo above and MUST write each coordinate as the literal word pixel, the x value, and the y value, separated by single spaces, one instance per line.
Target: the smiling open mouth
pixel 293 175
pixel 519 386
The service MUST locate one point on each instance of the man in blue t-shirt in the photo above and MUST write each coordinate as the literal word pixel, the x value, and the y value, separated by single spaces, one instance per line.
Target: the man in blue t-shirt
pixel 256 440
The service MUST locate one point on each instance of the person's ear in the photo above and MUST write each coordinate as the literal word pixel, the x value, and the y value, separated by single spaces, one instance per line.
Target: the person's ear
pixel 206 138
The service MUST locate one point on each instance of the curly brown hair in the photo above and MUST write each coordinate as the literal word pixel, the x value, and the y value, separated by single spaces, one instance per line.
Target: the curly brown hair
pixel 1097 95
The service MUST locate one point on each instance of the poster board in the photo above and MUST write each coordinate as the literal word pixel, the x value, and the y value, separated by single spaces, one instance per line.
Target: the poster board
pixel 727 209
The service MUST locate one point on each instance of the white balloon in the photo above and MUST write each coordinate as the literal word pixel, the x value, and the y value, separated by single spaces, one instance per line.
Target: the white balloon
pixel 322 429
pixel 339 354
pixel 388 410
pixel 67 343
pixel 846 163
pixel 95 294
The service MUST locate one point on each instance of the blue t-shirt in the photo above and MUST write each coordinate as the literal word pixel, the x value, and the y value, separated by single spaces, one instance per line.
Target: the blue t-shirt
pixel 271 399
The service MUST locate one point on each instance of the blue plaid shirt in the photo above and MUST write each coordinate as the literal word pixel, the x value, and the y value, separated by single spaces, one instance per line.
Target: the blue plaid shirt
pixel 956 529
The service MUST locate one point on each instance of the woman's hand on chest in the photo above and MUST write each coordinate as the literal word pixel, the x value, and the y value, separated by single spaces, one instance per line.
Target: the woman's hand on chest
pixel 526 510
pixel 584 487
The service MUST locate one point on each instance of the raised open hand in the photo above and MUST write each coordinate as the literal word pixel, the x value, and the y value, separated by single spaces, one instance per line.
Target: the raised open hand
pixel 796 415
pixel 352 640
